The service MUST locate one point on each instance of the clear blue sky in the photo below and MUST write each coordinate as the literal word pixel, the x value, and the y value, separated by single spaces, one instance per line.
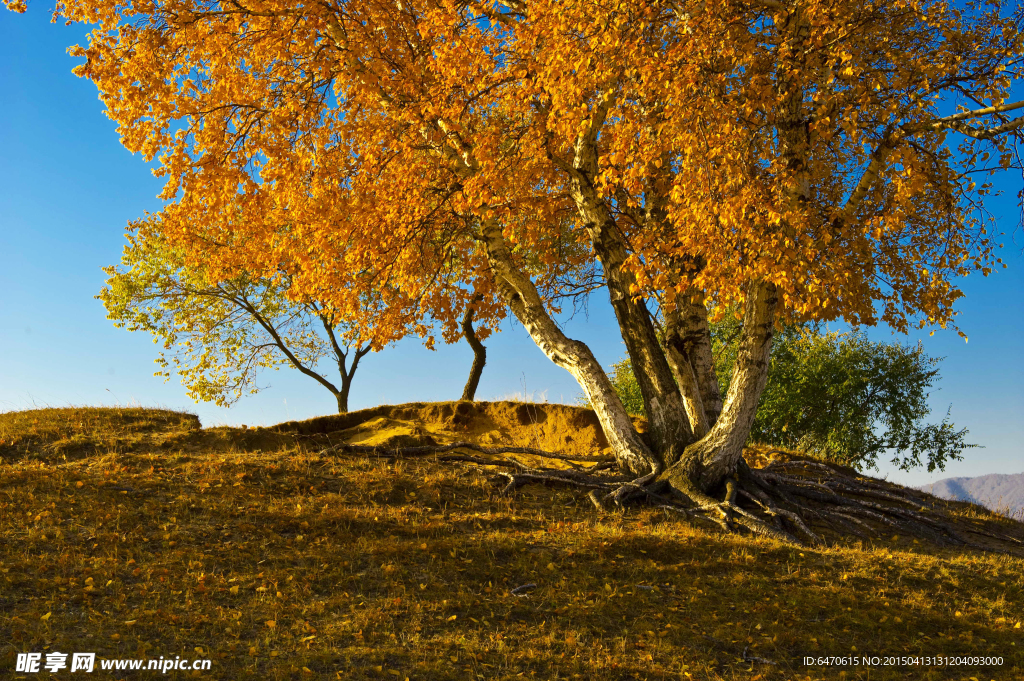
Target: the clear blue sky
pixel 68 188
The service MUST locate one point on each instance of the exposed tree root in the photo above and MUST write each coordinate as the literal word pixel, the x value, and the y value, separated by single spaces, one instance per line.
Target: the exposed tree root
pixel 577 477
pixel 427 450
pixel 801 503
pixel 796 502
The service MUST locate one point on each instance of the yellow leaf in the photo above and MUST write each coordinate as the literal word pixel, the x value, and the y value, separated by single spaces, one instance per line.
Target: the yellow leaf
pixel 234 589
pixel 452 618
pixel 271 623
pixel 47 616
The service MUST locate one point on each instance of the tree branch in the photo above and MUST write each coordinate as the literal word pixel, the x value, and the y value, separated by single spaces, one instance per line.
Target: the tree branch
pixel 947 121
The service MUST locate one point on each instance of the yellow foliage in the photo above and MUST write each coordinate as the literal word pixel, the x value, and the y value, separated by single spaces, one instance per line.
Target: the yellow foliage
pixel 433 144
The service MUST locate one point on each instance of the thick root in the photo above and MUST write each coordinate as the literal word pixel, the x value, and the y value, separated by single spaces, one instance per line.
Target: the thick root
pixel 796 502
pixel 813 503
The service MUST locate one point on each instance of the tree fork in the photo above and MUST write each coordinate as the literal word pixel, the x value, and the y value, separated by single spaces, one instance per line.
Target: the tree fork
pixel 686 378
pixel 707 462
pixel 688 339
pixel 347 376
pixel 670 427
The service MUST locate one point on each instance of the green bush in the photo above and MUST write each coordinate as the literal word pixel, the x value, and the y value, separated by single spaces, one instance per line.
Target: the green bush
pixel 624 382
pixel 837 396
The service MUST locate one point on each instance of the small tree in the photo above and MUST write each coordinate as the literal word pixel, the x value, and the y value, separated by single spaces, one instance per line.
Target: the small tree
pixel 849 400
pixel 838 396
pixel 218 336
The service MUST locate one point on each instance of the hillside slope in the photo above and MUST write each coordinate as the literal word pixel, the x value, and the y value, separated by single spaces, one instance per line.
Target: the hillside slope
pixel 1001 492
pixel 275 556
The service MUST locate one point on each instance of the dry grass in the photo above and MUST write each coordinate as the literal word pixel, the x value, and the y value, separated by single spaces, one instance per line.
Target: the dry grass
pixel 279 561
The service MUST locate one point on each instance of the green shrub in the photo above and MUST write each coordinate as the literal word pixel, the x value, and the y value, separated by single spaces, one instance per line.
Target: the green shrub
pixel 838 396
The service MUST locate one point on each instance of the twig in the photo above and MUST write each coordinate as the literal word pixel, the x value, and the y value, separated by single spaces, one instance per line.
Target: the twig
pixel 752 658
pixel 523 590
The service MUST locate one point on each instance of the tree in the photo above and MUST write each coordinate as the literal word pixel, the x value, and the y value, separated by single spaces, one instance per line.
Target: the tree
pixel 851 400
pixel 222 334
pixel 789 157
pixel 479 356
pixel 838 396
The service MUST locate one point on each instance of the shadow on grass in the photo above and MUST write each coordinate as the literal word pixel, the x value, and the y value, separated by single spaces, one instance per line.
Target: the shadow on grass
pixel 287 564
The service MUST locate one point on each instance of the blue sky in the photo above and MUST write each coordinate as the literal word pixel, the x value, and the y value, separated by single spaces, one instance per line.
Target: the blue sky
pixel 68 188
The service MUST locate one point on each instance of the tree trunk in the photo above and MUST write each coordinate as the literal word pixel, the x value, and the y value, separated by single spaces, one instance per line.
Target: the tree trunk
pixel 346 376
pixel 707 462
pixel 522 297
pixel 479 356
pixel 668 426
pixel 684 374
pixel 688 347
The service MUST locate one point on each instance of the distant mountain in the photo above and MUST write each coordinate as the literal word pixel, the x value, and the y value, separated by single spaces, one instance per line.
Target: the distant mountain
pixel 997 491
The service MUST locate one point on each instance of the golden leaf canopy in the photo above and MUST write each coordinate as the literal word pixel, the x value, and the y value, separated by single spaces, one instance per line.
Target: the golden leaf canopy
pixel 808 143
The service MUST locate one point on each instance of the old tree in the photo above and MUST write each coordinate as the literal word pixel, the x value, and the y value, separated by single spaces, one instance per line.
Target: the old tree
pixel 798 159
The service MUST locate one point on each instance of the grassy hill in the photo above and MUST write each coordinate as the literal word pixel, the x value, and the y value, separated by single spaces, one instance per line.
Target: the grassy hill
pixel 134 533
pixel 1003 492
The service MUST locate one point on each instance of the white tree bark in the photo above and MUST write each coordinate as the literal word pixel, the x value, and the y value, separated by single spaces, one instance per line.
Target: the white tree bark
pixel 690 390
pixel 708 461
pixel 630 451
pixel 669 428
pixel 688 346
